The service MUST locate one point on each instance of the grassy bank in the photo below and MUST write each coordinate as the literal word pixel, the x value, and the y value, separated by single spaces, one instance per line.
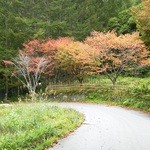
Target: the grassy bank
pixel 35 126
pixel 130 92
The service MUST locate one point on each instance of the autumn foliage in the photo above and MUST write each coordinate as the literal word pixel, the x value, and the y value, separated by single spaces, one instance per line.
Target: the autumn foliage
pixel 117 53
pixel 107 53
pixel 46 49
pixel 74 59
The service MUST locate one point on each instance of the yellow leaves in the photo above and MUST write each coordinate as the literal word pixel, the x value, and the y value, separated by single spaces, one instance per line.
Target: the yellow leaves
pixel 75 50
pixel 142 14
pixel 75 58
pixel 145 62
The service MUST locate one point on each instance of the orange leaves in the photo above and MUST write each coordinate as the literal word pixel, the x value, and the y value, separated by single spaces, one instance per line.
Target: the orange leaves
pixel 63 41
pixel 47 46
pixel 74 58
pixel 117 53
pixel 62 53
pixel 52 44
pixel 31 47
pixel 74 53
pixel 100 52
pixel 116 50
pixel 101 41
pixel 46 49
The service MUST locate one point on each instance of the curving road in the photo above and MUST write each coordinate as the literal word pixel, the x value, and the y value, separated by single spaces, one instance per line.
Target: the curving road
pixel 107 128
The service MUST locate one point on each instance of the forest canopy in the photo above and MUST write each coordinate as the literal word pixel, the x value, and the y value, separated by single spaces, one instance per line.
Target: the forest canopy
pixel 26 20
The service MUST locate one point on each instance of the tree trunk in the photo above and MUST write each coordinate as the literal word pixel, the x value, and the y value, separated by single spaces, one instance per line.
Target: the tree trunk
pixel 80 80
pixel 33 95
pixel 6 88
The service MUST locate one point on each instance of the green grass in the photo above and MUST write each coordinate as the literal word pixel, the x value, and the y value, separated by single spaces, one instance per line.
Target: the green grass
pixel 131 104
pixel 125 81
pixel 35 126
pixel 133 92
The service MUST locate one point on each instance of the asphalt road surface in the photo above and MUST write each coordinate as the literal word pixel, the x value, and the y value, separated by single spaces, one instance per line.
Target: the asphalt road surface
pixel 107 128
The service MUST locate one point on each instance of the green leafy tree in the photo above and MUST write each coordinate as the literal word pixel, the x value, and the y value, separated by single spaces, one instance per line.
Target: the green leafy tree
pixel 123 23
pixel 142 17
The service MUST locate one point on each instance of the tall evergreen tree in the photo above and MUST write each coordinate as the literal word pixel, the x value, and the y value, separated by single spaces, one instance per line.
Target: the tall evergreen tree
pixel 22 20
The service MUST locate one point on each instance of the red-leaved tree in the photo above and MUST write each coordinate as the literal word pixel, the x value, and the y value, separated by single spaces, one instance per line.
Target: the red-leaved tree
pixel 46 49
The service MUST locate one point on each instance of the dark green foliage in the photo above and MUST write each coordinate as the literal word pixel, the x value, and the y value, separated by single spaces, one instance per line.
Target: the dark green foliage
pixel 22 20
pixel 123 23
pixel 141 72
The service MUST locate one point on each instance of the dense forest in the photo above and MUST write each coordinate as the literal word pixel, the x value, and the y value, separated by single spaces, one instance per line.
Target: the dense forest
pixel 59 59
pixel 24 20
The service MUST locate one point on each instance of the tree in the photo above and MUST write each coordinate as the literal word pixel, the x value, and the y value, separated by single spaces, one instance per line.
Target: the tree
pixel 116 54
pixel 29 70
pixel 46 49
pixel 23 20
pixel 123 23
pixel 8 65
pixel 74 59
pixel 141 14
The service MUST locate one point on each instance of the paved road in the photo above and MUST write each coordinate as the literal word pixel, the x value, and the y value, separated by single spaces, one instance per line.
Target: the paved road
pixel 107 128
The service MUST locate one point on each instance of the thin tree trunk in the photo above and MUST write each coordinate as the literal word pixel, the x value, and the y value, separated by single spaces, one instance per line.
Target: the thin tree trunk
pixel 6 88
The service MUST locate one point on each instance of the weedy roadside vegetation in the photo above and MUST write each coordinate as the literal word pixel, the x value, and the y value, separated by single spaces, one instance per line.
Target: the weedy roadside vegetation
pixel 35 125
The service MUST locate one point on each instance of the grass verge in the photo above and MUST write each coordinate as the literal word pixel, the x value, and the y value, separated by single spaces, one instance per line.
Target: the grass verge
pixel 35 126
pixel 137 97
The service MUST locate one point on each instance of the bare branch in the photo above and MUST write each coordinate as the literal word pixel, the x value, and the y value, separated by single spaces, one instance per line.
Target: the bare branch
pixel 29 69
